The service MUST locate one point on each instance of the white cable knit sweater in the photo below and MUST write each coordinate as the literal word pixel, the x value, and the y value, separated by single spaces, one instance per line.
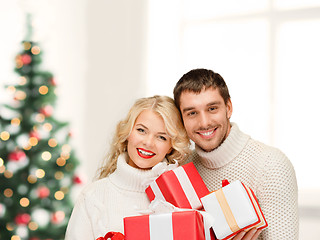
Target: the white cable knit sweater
pixel 103 204
pixel 264 169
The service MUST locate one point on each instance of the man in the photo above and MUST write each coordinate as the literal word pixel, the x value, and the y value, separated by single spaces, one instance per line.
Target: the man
pixel 222 151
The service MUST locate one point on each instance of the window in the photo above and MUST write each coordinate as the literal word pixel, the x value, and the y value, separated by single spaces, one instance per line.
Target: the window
pixel 268 53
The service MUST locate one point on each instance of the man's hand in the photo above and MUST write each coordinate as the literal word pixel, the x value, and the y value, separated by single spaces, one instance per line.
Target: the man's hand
pixel 251 235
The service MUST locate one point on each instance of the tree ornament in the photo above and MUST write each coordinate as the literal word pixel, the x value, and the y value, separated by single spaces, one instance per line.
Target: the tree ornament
pixel 26 59
pixel 43 192
pixel 34 134
pixel 53 82
pixel 57 217
pixel 46 110
pixel 22 219
pixel 77 179
pixel 17 156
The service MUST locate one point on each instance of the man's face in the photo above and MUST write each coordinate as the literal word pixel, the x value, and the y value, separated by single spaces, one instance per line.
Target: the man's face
pixel 206 117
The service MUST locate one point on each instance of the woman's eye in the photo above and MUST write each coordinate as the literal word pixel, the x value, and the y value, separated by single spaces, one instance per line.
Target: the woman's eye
pixel 140 130
pixel 163 138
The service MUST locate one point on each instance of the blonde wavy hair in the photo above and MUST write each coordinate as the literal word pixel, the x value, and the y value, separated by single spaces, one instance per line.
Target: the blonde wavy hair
pixel 165 107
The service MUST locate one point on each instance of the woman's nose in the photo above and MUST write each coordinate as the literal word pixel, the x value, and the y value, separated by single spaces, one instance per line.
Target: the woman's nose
pixel 148 140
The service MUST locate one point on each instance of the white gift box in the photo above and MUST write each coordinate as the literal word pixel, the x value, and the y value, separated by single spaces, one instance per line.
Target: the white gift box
pixel 234 208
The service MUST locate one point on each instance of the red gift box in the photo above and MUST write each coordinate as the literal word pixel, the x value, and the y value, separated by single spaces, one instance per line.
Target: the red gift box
pixel 183 187
pixel 180 225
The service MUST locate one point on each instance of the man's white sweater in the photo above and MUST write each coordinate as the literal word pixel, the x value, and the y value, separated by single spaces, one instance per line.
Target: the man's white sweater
pixel 266 170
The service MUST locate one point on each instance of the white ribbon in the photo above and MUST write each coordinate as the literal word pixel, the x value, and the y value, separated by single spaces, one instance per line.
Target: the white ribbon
pixel 159 169
pixel 158 206
pixel 188 188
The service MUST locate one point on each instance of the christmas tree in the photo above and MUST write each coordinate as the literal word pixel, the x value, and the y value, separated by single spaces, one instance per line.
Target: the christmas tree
pixel 37 163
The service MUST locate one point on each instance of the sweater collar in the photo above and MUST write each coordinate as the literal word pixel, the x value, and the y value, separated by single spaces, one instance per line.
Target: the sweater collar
pixel 227 151
pixel 129 178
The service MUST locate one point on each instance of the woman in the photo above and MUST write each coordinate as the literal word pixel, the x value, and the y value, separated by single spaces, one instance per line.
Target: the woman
pixel 151 133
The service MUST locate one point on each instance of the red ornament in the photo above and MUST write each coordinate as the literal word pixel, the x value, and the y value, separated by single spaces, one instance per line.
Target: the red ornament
pixel 34 134
pixel 57 217
pixel 22 219
pixel 77 180
pixel 43 192
pixel 17 155
pixel 26 59
pixel 46 110
pixel 53 82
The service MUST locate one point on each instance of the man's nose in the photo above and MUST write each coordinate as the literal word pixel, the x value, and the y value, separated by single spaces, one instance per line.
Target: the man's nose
pixel 203 120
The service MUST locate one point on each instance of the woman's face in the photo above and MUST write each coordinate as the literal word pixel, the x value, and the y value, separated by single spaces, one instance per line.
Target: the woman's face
pixel 148 142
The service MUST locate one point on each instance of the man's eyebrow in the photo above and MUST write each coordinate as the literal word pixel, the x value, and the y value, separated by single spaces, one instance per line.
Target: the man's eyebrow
pixel 214 103
pixel 187 109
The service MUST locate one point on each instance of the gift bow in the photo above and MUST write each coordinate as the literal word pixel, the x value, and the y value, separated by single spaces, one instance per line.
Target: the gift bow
pixel 112 236
pixel 159 169
pixel 158 206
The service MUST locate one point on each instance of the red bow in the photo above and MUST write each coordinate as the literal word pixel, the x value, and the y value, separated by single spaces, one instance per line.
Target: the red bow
pixel 112 236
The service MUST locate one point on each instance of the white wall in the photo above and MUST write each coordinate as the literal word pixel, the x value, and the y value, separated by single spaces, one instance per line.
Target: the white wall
pixel 116 69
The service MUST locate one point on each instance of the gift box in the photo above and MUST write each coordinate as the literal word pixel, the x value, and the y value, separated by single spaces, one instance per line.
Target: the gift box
pixel 183 187
pixel 234 208
pixel 180 225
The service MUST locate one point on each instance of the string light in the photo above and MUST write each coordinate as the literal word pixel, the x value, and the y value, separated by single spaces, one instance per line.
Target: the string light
pixel 2 168
pixel 4 135
pixel 11 89
pixel 20 95
pixel 33 226
pixel 33 141
pixel 8 174
pixel 35 50
pixel 24 202
pixel 59 195
pixel 61 162
pixel 26 45
pixel 9 227
pixel 59 175
pixel 1 162
pixel 43 90
pixel 15 121
pixel 46 156
pixel 52 142
pixel 40 117
pixel 32 179
pixel 8 192
pixel 47 127
pixel 40 173
pixel 23 80
pixel 15 237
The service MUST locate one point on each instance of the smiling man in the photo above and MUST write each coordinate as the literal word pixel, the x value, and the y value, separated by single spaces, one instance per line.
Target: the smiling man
pixel 223 151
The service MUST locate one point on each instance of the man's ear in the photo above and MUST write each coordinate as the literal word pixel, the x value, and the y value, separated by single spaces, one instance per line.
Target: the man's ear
pixel 229 108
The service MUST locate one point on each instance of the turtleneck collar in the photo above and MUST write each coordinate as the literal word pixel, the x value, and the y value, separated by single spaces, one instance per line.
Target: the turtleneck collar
pixel 227 151
pixel 129 178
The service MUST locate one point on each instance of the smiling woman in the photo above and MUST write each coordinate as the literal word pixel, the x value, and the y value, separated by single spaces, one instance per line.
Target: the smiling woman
pixel 152 132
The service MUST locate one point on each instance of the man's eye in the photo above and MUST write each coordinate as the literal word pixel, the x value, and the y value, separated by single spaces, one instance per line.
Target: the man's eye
pixel 191 113
pixel 212 109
